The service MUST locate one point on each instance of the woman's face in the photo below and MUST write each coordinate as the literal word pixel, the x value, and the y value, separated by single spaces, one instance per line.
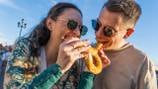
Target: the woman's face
pixel 60 28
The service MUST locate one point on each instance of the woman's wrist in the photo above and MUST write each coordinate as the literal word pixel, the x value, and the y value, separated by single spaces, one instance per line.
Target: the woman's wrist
pixel 63 71
pixel 61 68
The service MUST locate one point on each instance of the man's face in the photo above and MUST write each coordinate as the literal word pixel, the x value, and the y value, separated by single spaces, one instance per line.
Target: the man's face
pixel 110 22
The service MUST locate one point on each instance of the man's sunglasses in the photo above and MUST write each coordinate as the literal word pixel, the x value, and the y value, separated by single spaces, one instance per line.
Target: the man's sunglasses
pixel 72 25
pixel 107 30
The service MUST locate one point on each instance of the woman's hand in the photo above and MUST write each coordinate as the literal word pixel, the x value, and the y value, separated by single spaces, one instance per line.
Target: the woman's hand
pixel 69 51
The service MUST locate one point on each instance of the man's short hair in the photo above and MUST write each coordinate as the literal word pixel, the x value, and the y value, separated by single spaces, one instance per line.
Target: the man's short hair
pixel 129 9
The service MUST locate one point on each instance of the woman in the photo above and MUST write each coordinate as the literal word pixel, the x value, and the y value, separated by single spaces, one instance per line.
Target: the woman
pixel 48 53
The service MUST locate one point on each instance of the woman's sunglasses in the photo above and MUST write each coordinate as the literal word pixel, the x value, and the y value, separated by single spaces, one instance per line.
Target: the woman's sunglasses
pixel 107 30
pixel 72 25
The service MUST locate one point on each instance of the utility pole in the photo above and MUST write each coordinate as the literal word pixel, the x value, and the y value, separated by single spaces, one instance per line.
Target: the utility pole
pixel 21 25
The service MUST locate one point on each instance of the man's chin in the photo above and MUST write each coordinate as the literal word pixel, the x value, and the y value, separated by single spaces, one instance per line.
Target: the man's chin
pixel 106 45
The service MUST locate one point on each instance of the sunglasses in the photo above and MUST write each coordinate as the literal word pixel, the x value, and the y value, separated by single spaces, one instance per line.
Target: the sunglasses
pixel 108 31
pixel 72 25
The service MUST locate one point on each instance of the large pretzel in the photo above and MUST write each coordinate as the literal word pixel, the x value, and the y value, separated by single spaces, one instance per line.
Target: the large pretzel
pixel 93 61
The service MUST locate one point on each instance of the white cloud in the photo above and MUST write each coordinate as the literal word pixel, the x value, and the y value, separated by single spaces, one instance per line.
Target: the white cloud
pixel 11 4
pixel 53 2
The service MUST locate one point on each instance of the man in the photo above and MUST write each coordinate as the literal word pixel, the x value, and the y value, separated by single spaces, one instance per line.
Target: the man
pixel 130 68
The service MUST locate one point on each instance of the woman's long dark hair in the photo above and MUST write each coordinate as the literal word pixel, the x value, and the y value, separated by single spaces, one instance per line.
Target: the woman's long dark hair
pixel 41 34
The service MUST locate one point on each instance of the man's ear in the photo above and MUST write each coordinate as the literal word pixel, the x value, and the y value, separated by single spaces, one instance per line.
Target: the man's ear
pixel 50 24
pixel 129 32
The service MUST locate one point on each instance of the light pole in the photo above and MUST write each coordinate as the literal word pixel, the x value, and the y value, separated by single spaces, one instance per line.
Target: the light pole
pixel 21 25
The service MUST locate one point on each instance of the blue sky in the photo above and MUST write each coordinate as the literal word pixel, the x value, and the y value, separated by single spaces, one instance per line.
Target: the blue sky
pixel 12 11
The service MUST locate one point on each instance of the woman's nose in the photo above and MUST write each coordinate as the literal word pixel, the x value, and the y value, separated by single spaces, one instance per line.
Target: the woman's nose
pixel 76 31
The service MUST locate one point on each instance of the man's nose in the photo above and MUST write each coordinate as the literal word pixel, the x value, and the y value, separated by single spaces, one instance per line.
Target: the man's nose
pixel 99 33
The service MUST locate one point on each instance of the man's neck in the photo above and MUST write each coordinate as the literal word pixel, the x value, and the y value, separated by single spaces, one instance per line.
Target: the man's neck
pixel 118 46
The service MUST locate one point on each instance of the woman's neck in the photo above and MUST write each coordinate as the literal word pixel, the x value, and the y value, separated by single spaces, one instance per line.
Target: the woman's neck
pixel 51 50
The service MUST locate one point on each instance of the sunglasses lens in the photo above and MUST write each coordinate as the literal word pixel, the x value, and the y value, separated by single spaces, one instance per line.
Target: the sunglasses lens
pixel 84 30
pixel 108 31
pixel 72 24
pixel 95 25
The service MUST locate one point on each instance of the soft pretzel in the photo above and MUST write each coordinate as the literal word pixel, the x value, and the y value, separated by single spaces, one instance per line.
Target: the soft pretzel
pixel 93 61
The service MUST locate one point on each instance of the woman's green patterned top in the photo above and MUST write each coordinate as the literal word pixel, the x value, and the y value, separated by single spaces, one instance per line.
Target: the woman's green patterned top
pixel 22 72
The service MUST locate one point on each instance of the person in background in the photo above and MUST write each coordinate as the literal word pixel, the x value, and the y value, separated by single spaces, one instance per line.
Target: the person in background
pixel 5 56
pixel 1 51
pixel 1 66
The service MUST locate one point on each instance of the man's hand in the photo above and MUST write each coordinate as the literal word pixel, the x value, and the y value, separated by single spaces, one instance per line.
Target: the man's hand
pixel 105 60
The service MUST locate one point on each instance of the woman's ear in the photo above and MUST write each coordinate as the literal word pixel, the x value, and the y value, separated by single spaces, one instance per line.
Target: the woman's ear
pixel 50 24
pixel 129 32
